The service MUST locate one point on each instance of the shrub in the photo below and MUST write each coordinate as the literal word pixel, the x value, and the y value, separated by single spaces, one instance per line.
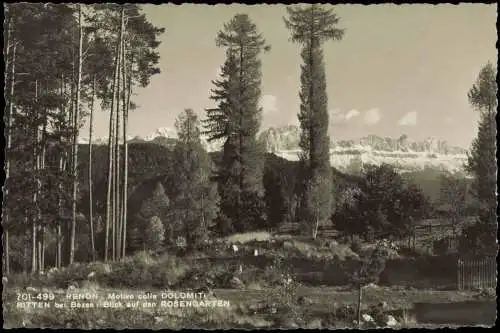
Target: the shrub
pixel 345 313
pixel 356 244
pixel 489 293
pixel 283 298
pixel 440 246
pixel 126 275
pixel 378 315
pixel 75 273
pixel 155 234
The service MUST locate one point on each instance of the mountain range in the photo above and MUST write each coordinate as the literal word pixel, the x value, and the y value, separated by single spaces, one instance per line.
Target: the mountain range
pixel 346 155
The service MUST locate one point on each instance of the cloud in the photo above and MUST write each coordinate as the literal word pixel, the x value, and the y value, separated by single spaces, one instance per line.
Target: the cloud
pixel 334 112
pixel 339 117
pixel 336 116
pixel 268 103
pixel 409 119
pixel 351 114
pixel 372 116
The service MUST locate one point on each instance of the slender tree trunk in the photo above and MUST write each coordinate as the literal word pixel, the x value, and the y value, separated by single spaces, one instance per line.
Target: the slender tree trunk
pixel 41 244
pixel 26 244
pixel 202 212
pixel 116 238
pixel 91 203
pixel 43 158
pixel 123 201
pixel 36 161
pixel 62 170
pixel 116 189
pixel 109 210
pixel 39 251
pixel 70 86
pixel 33 248
pixel 75 136
pixel 110 203
pixel 316 227
pixel 125 157
pixel 360 298
pixel 10 115
pixel 58 231
pixel 240 130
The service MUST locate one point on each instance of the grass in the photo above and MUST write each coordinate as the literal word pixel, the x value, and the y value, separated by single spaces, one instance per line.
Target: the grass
pixel 248 237
pixel 251 307
pixel 318 249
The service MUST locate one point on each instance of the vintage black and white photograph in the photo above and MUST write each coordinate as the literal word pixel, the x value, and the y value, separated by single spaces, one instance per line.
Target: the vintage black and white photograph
pixel 249 166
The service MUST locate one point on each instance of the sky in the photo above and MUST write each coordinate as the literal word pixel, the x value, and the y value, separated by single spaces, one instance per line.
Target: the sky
pixel 398 69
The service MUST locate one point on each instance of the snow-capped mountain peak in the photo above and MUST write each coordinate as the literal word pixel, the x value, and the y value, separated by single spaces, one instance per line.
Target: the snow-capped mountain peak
pixel 165 132
pixel 402 152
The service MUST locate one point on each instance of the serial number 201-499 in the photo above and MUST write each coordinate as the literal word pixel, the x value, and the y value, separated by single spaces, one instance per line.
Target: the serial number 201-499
pixel 37 296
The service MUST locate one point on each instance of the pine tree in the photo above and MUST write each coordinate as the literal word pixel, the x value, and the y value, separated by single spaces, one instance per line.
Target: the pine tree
pixel 156 205
pixel 236 119
pixel 76 115
pixel 135 60
pixel 112 148
pixel 154 234
pixel 482 162
pixel 55 54
pixel 311 27
pixel 195 195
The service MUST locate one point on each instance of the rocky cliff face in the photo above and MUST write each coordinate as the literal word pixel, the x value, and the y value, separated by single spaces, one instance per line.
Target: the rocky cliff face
pixel 282 138
pixel 346 155
pixel 287 138
pixel 351 155
pixel 401 144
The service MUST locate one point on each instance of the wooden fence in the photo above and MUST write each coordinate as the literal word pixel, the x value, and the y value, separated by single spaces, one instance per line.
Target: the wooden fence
pixel 477 274
pixel 324 231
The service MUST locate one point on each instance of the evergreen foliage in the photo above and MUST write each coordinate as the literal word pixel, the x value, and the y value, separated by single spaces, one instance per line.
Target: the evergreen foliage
pixel 310 27
pixel 236 120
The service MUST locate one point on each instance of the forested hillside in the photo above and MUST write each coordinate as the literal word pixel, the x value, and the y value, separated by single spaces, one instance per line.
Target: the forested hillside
pixel 150 163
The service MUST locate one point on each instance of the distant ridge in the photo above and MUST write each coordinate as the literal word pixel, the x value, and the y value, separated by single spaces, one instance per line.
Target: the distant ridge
pixel 345 155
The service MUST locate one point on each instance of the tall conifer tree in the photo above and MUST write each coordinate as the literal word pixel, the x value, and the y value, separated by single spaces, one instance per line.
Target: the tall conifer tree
pixel 311 26
pixel 482 162
pixel 236 119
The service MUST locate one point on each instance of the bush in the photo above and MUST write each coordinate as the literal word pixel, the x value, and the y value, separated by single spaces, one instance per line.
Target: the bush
pixel 356 244
pixel 489 293
pixel 155 234
pixel 126 275
pixel 346 313
pixel 76 273
pixel 25 280
pixel 378 315
pixel 283 298
pixel 440 246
